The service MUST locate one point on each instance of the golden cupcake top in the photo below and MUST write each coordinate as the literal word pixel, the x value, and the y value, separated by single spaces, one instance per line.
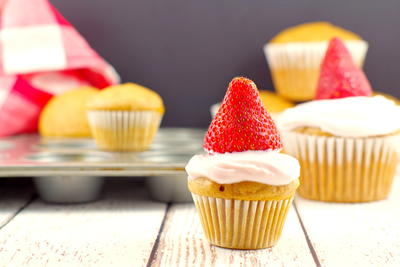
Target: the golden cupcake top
pixel 128 96
pixel 65 115
pixel 313 32
pixel 273 102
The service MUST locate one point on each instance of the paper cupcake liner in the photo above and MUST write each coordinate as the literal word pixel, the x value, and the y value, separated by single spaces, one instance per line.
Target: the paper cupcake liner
pixel 295 66
pixel 241 224
pixel 344 169
pixel 124 130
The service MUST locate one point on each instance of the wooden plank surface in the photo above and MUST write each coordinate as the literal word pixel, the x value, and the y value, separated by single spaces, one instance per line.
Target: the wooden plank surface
pixel 182 243
pixel 118 230
pixel 121 230
pixel 354 234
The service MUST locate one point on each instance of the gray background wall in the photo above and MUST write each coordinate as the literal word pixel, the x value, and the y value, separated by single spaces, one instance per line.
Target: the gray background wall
pixel 188 50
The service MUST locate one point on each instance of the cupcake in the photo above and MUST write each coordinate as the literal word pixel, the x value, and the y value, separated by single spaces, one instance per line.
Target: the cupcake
pixel 64 116
pixel 243 186
pixel 125 117
pixel 273 103
pixel 347 140
pixel 295 55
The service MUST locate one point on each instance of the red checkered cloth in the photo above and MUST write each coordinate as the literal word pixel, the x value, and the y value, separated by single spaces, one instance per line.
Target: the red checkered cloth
pixel 41 55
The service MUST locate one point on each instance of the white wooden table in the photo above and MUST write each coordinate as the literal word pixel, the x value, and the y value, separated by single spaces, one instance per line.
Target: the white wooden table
pixel 125 228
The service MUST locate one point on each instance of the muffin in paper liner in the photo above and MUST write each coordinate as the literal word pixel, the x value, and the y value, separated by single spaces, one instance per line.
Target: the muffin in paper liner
pixel 124 130
pixel 337 169
pixel 295 66
pixel 242 224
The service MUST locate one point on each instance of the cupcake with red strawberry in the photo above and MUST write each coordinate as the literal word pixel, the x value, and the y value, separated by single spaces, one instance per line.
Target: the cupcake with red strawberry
pixel 243 186
pixel 346 140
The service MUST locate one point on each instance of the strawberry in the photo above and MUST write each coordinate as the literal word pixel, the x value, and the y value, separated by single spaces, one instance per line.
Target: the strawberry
pixel 242 123
pixel 339 76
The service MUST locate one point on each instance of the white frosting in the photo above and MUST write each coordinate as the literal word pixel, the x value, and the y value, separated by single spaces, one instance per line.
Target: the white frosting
pixel 359 116
pixel 266 167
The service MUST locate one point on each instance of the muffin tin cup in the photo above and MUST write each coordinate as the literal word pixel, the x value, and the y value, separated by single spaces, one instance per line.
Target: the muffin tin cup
pixel 337 169
pixel 241 224
pixel 69 189
pixel 169 188
pixel 75 166
pixel 124 130
pixel 70 144
pixel 295 66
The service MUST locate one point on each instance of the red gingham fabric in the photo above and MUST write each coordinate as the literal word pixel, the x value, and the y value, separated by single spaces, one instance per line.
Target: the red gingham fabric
pixel 41 55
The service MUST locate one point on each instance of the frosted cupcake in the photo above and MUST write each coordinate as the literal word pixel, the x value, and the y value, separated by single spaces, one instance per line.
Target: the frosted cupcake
pixel 295 55
pixel 125 117
pixel 243 187
pixel 346 141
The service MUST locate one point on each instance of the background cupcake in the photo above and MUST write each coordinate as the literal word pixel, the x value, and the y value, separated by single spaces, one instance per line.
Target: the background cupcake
pixel 295 55
pixel 64 116
pixel 125 117
pixel 346 141
pixel 244 186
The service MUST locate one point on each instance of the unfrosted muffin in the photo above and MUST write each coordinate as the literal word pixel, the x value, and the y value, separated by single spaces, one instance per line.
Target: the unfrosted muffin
pixel 243 187
pixel 125 117
pixel 274 103
pixel 64 116
pixel 295 55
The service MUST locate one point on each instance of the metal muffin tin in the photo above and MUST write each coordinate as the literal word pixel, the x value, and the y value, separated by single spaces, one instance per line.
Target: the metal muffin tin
pixel 71 170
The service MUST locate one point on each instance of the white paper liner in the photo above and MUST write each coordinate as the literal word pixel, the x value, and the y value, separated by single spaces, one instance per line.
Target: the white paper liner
pixel 309 55
pixel 124 130
pixel 295 66
pixel 241 224
pixel 344 169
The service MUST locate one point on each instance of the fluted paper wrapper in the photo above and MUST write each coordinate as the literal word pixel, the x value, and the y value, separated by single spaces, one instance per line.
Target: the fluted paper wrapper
pixel 337 169
pixel 124 130
pixel 241 224
pixel 295 66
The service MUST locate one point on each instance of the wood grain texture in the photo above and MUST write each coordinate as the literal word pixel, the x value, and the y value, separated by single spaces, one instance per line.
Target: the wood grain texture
pixel 182 243
pixel 365 234
pixel 118 230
